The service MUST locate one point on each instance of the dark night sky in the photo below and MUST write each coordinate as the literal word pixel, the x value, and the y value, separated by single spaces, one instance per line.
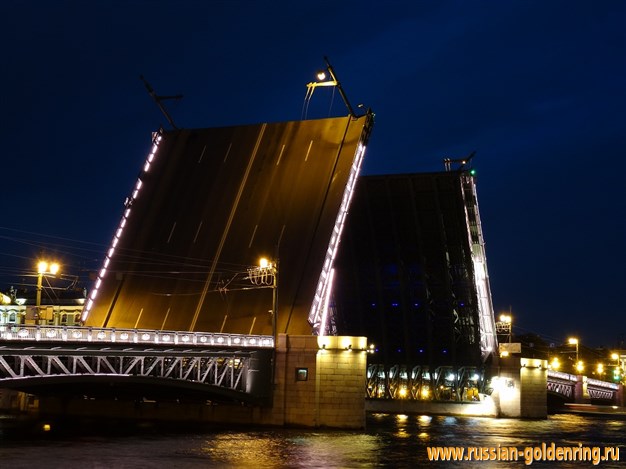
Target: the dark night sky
pixel 535 87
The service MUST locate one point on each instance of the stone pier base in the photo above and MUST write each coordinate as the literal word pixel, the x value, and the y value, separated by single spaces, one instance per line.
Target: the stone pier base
pixel 520 388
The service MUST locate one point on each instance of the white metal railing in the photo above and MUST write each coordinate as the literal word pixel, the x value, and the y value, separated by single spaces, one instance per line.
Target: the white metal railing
pixel 602 384
pixel 45 333
pixel 561 375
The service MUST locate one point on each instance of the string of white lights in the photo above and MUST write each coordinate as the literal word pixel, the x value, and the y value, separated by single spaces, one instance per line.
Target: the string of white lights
pixel 318 316
pixel 157 137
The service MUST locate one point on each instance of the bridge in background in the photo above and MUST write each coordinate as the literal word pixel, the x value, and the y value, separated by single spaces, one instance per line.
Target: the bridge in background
pixel 579 388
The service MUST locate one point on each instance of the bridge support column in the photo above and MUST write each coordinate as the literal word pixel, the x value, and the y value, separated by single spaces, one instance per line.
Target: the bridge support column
pixel 619 396
pixel 581 393
pixel 520 388
pixel 320 381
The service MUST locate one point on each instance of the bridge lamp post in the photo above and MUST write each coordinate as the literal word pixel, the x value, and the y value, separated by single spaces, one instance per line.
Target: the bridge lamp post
pixel 615 356
pixel 333 81
pixel 618 365
pixel 44 268
pixel 266 276
pixel 573 341
pixel 580 366
pixel 506 325
pixel 600 369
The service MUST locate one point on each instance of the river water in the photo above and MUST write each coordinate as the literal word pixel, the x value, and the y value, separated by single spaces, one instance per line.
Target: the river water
pixel 388 441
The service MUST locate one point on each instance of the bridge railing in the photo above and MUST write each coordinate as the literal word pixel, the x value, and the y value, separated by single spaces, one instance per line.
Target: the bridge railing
pixel 45 333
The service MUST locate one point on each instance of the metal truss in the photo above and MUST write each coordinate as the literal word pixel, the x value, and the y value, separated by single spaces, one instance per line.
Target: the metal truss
pixel 559 387
pixel 561 383
pixel 601 389
pixel 418 383
pixel 227 370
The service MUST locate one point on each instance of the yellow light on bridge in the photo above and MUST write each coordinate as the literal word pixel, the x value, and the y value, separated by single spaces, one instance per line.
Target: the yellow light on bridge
pixel 600 368
pixel 580 367
pixel 572 341
pixel 555 363
pixel 44 267
pixel 505 318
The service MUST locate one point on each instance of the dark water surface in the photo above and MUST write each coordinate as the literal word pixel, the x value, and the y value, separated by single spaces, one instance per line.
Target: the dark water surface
pixel 389 441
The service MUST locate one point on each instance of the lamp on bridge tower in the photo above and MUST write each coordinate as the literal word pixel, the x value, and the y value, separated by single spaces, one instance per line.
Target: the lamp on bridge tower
pixel 505 326
pixel 44 268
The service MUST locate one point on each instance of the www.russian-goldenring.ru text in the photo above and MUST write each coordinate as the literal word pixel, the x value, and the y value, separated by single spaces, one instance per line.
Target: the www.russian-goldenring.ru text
pixel 528 454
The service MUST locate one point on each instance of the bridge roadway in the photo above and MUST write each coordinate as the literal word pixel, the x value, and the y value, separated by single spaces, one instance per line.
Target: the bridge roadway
pixel 100 362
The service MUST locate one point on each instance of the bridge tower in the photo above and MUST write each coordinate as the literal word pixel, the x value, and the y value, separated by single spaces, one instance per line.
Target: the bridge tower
pixel 412 272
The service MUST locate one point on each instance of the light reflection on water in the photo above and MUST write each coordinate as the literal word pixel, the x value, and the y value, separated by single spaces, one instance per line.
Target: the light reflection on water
pixel 388 441
pixel 300 449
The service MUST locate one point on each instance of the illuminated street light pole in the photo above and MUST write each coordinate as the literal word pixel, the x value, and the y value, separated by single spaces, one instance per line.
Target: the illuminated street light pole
pixel 573 341
pixel 618 366
pixel 44 268
pixel 505 326
pixel 266 275
pixel 334 81
pixel 579 365
pixel 506 321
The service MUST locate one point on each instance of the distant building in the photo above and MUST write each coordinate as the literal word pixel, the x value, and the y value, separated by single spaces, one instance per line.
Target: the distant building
pixel 64 308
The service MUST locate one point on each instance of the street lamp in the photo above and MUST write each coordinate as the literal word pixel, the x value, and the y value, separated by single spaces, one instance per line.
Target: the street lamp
pixel 505 325
pixel 44 268
pixel 573 341
pixel 600 370
pixel 334 81
pixel 618 366
pixel 265 275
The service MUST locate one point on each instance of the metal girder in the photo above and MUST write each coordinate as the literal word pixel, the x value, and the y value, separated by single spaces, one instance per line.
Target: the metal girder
pixel 418 383
pixel 225 371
